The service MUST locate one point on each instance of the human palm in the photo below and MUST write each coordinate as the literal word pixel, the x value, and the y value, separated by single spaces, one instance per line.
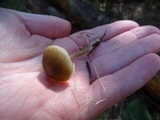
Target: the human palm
pixel 122 63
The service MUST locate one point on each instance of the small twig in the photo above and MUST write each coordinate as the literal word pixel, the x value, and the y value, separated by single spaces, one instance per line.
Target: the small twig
pixel 89 69
pixel 96 42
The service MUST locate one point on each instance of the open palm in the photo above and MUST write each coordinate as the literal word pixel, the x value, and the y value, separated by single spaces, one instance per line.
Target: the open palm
pixel 122 63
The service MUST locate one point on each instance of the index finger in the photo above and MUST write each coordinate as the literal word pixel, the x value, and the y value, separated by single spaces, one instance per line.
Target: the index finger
pixel 83 38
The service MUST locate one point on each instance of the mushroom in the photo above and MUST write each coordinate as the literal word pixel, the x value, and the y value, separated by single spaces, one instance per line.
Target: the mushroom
pixel 57 63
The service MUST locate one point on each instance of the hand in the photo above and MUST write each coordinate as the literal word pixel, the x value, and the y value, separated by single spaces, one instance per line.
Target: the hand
pixel 124 61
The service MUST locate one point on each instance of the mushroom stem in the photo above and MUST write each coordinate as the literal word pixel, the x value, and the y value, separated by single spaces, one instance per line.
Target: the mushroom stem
pixel 79 53
pixel 88 49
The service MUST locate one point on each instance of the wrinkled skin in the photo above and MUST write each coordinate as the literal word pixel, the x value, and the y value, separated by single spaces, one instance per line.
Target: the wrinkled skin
pixel 125 60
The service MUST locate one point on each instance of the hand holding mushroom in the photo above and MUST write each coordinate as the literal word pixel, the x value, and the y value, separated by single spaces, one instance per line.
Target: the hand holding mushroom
pixel 124 60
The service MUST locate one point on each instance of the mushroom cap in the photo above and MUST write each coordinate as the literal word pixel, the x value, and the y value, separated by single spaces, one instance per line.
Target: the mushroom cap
pixel 57 63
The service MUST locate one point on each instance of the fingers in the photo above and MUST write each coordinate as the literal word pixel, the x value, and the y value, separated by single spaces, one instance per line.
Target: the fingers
pixel 81 39
pixel 124 82
pixel 84 37
pixel 124 39
pixel 119 59
pixel 47 26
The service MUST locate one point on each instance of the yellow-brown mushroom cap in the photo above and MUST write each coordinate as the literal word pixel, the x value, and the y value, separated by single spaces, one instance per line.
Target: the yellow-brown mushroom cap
pixel 57 63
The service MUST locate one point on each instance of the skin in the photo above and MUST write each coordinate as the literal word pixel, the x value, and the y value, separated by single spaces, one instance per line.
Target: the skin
pixel 125 61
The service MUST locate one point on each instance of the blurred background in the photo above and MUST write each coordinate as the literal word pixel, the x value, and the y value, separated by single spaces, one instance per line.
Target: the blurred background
pixel 85 14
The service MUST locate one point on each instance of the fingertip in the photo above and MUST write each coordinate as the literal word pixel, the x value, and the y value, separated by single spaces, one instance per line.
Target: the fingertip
pixel 154 60
pixel 128 22
pixel 119 27
pixel 63 30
